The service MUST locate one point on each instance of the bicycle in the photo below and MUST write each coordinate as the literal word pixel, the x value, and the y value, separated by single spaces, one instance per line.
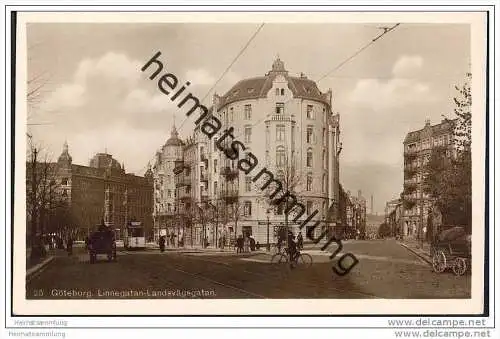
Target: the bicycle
pixel 302 260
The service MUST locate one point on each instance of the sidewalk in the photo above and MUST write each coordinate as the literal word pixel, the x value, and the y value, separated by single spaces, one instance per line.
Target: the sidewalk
pixel 416 248
pixel 33 270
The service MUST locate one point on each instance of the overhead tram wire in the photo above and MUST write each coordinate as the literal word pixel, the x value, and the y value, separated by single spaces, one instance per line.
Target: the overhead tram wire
pixel 229 67
pixel 359 51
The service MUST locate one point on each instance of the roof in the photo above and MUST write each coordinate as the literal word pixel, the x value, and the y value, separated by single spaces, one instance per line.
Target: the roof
pixel 174 139
pixel 445 127
pixel 258 87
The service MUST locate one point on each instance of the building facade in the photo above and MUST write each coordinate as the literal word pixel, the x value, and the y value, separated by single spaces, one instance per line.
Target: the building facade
pixel 286 123
pixel 102 191
pixel 418 146
pixel 393 216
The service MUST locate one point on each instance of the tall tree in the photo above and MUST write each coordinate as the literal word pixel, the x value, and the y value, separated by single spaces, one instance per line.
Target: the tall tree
pixel 449 171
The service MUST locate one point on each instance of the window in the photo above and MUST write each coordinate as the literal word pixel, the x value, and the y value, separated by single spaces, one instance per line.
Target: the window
pixel 309 135
pixel 231 110
pixel 215 165
pixel 309 159
pixel 248 208
pixel 309 207
pixel 309 183
pixel 215 143
pixel 188 189
pixel 248 184
pixel 277 91
pixel 202 150
pixel 324 183
pixel 64 181
pixel 248 112
pixel 309 112
pixel 169 193
pixel 324 159
pixel 324 137
pixel 282 91
pixel 280 133
pixel 248 134
pixel 280 157
pixel 215 187
pixel 280 108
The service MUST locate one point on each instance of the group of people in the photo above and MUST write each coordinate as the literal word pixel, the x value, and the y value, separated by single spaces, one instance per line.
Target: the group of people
pixel 245 244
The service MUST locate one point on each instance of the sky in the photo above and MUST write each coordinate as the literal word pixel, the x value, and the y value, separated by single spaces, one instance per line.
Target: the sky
pixel 94 96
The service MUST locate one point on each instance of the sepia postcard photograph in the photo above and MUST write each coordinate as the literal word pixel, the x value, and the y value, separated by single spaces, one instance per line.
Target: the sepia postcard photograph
pixel 250 163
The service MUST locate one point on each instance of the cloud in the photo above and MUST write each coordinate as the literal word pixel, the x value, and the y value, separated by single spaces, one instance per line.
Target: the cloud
pixel 399 91
pixel 107 91
pixel 407 66
pixel 200 77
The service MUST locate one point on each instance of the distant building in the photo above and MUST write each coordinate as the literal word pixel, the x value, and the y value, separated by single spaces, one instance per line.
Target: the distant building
pixel 418 146
pixel 393 216
pixel 99 192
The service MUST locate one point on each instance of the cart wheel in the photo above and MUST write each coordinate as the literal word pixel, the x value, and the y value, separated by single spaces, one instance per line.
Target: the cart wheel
pixel 439 262
pixel 459 266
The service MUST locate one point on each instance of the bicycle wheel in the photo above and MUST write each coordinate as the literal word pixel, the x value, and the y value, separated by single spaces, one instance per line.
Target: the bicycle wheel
pixel 304 260
pixel 279 258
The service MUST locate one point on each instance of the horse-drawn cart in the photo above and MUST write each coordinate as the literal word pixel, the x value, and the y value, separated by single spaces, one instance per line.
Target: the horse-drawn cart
pixel 451 249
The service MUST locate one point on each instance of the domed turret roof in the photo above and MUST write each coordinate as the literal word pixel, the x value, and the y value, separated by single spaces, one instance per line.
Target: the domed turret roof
pixel 65 157
pixel 174 139
pixel 258 87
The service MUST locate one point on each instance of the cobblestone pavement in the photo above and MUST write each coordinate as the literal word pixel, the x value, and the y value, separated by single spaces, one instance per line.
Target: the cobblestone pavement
pixel 385 270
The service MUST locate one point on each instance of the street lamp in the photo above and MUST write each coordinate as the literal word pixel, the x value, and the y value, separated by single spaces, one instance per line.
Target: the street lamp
pixel 268 212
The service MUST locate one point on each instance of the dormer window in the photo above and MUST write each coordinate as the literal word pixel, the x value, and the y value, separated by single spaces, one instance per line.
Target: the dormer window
pixel 250 90
pixel 282 91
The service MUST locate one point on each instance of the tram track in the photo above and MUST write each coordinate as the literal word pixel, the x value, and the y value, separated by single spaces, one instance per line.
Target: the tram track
pixel 279 276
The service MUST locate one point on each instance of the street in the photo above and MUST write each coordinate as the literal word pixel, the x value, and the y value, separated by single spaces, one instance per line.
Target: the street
pixel 385 270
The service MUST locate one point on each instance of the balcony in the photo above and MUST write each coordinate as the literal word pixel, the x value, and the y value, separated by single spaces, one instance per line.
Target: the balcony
pixel 229 173
pixel 229 195
pixel 182 181
pixel 282 118
pixel 179 167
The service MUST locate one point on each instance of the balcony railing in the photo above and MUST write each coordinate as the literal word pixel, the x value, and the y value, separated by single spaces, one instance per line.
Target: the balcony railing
pixel 281 117
pixel 183 181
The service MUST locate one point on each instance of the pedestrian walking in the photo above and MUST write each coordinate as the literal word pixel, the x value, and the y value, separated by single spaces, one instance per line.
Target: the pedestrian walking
pixel 69 246
pixel 300 241
pixel 246 245
pixel 161 242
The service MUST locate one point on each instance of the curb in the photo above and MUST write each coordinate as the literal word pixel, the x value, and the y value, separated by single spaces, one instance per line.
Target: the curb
pixel 421 256
pixel 37 269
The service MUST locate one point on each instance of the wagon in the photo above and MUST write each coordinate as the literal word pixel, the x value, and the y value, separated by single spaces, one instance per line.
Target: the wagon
pixel 102 242
pixel 451 249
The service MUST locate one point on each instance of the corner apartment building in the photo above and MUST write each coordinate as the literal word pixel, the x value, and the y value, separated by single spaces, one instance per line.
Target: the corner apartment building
pixel 418 146
pixel 287 123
